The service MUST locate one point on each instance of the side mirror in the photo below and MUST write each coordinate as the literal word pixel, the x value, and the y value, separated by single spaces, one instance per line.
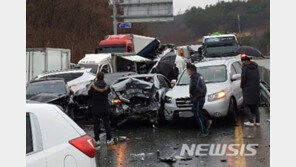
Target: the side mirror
pixel 235 77
pixel 173 82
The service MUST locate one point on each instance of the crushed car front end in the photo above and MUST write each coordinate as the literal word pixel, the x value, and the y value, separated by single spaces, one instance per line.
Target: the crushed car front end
pixel 134 99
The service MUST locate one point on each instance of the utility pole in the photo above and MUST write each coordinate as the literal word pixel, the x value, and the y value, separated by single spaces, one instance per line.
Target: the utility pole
pixel 238 23
pixel 114 17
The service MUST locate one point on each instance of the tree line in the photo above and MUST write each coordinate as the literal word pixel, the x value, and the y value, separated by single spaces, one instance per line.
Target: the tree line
pixel 79 25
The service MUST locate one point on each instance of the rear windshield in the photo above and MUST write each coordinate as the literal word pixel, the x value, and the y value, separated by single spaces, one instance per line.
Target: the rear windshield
pixel 211 74
pixel 55 87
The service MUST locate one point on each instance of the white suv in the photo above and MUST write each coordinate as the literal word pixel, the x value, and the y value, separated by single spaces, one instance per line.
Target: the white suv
pixel 53 139
pixel 224 95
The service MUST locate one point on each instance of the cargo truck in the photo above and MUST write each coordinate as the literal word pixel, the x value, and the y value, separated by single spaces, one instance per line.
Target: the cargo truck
pixel 128 43
pixel 41 60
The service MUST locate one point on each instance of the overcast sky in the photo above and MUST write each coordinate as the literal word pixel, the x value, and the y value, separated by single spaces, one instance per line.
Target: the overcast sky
pixel 180 6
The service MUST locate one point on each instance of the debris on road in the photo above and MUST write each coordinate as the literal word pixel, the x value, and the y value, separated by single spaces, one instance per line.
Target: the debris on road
pixel 223 160
pixel 120 139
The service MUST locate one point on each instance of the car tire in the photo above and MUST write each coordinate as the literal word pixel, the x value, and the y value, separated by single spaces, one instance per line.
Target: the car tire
pixel 232 111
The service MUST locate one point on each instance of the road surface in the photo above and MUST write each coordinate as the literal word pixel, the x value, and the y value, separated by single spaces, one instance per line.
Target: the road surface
pixel 143 142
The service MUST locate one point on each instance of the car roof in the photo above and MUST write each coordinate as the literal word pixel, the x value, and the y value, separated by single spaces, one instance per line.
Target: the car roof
pixel 221 35
pixel 64 72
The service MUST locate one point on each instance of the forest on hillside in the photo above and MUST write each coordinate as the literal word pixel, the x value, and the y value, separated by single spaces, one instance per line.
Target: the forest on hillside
pixel 79 25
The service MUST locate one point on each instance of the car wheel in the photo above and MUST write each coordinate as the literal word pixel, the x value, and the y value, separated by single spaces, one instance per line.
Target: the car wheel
pixel 232 114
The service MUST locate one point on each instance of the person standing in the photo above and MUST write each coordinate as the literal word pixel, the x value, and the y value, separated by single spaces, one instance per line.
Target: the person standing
pixel 174 73
pixel 250 83
pixel 100 108
pixel 198 91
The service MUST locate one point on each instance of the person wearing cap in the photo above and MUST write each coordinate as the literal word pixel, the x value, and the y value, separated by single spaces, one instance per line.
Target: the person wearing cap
pixel 198 91
pixel 100 108
pixel 250 84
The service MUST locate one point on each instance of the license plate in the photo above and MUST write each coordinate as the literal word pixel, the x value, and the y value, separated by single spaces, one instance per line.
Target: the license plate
pixel 186 114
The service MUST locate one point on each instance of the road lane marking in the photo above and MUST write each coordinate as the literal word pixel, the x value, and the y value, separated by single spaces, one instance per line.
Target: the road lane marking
pixel 240 160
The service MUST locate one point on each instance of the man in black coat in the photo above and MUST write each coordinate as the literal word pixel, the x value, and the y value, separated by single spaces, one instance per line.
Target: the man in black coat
pixel 198 91
pixel 100 107
pixel 250 83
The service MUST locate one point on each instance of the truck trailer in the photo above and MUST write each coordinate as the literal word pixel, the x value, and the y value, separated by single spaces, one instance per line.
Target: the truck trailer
pixel 41 60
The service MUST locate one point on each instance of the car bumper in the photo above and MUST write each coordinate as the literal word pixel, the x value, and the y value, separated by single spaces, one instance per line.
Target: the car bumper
pixel 215 109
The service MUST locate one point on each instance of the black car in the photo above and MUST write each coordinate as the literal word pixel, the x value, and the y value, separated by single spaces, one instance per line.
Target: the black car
pixel 51 90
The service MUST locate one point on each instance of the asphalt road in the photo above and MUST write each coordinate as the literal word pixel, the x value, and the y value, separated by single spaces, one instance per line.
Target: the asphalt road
pixel 144 142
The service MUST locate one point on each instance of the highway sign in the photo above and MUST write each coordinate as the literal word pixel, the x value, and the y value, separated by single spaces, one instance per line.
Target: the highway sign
pixel 125 25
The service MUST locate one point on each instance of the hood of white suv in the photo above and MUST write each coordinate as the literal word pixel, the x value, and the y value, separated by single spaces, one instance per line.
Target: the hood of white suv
pixel 183 91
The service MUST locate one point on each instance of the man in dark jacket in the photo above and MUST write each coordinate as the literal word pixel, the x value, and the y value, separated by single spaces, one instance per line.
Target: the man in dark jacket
pixel 100 107
pixel 198 91
pixel 251 90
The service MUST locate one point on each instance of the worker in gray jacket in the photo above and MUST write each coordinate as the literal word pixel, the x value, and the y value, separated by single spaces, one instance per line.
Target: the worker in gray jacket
pixel 198 91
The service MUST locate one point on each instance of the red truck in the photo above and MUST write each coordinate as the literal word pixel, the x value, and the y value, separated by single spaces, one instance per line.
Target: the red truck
pixel 128 43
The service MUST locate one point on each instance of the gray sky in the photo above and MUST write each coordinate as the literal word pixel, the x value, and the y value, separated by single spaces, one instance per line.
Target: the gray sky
pixel 180 6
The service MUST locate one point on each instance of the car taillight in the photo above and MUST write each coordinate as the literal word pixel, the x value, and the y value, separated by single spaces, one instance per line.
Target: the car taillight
pixel 85 144
pixel 116 101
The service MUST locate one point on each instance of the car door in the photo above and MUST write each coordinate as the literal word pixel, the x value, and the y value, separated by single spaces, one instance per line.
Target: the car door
pixel 35 155
pixel 239 93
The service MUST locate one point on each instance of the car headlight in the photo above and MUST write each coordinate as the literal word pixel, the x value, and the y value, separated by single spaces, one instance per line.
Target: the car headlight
pixel 216 96
pixel 167 99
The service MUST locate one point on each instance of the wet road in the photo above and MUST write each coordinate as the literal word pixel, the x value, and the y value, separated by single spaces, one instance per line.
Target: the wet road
pixel 143 142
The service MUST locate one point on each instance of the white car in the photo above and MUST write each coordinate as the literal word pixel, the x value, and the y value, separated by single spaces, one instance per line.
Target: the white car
pixel 224 95
pixel 76 79
pixel 54 140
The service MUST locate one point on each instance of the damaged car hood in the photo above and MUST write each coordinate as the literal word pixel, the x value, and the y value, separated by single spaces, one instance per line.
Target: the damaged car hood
pixel 179 91
pixel 123 85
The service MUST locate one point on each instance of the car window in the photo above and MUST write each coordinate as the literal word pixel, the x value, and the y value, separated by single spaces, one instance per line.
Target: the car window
pixel 66 77
pixel 76 75
pixel 238 67
pixel 211 74
pixel 105 68
pixel 29 138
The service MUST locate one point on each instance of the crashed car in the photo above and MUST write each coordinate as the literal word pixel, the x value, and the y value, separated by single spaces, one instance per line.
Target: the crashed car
pixel 76 78
pixel 138 97
pixel 81 99
pixel 54 91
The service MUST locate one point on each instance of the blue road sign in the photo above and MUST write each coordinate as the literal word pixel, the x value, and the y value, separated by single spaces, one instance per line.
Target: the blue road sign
pixel 125 25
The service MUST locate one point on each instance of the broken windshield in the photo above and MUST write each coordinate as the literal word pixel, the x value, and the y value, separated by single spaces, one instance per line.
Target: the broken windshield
pixel 211 74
